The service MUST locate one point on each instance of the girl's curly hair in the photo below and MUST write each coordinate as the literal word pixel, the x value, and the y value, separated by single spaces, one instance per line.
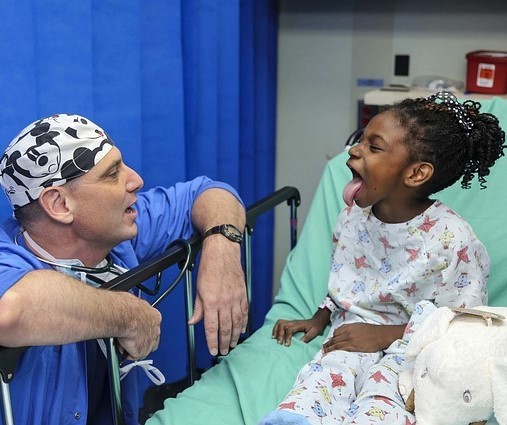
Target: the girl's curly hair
pixel 435 135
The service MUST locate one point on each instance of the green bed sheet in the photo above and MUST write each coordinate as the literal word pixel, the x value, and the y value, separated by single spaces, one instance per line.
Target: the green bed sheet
pixel 256 375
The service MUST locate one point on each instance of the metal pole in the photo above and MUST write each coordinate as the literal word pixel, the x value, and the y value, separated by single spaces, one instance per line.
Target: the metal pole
pixel 189 300
pixel 247 240
pixel 293 223
pixel 6 403
pixel 113 366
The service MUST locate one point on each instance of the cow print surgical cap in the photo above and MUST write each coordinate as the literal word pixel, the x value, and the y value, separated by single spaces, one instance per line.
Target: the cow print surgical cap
pixel 50 152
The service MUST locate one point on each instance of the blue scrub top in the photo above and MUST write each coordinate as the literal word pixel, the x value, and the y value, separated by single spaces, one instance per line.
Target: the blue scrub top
pixel 51 384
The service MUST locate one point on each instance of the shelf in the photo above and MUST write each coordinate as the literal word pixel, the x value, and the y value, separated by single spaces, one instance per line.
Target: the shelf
pixel 385 97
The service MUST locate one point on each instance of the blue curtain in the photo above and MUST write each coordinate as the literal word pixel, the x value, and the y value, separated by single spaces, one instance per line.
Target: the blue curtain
pixel 184 87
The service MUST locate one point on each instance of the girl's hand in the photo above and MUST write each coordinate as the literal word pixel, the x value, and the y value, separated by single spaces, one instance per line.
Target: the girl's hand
pixel 363 337
pixel 285 329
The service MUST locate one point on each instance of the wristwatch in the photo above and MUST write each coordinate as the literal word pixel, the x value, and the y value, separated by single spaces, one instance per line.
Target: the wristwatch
pixel 230 231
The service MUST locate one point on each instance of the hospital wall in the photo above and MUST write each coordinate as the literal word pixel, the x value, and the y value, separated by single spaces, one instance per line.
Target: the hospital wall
pixel 325 46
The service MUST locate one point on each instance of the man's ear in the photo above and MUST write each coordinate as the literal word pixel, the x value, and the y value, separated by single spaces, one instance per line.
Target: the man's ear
pixel 418 173
pixel 54 201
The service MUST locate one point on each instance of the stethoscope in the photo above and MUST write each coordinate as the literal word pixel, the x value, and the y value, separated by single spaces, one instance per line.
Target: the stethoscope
pixel 109 267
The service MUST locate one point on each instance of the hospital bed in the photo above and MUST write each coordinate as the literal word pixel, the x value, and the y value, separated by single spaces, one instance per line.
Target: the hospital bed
pixel 254 377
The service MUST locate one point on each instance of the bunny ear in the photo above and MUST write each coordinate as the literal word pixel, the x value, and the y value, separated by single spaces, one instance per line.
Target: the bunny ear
pixel 498 374
pixel 432 328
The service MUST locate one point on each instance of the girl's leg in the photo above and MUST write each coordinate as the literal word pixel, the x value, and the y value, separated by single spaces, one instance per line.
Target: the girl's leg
pixel 324 389
pixel 379 401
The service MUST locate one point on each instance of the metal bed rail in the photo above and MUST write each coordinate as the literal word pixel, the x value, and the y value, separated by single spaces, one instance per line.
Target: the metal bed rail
pixel 184 255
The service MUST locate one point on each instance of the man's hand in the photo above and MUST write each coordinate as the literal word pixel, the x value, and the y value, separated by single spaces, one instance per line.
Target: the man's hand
pixel 221 294
pixel 363 337
pixel 285 329
pixel 142 334
pixel 221 291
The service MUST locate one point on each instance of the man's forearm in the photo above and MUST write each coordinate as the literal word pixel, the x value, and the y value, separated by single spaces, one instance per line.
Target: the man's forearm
pixel 217 206
pixel 46 307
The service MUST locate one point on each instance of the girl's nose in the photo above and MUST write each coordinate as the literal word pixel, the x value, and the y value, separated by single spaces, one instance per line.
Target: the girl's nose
pixel 355 150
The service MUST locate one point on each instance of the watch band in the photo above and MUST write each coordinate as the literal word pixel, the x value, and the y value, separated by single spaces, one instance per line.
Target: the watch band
pixel 230 231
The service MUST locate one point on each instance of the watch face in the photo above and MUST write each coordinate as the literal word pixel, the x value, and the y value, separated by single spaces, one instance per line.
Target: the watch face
pixel 232 232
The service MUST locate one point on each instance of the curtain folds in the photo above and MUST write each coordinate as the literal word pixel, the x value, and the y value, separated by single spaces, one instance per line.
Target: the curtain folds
pixel 183 87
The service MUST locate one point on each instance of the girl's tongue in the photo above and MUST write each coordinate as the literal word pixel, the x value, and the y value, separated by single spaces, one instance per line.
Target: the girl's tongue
pixel 351 190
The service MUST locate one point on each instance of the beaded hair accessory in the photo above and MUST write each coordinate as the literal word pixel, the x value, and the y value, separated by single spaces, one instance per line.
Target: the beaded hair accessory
pixel 451 102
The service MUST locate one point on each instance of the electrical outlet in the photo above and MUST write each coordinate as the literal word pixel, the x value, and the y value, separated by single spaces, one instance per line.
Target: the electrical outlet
pixel 401 65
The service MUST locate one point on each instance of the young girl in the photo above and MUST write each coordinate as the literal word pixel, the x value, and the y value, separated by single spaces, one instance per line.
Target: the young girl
pixel 398 254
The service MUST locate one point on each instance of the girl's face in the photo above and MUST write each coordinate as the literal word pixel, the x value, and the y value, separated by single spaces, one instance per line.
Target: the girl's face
pixel 381 161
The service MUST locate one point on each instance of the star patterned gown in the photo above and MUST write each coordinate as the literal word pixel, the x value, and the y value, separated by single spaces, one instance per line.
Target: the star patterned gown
pixel 387 274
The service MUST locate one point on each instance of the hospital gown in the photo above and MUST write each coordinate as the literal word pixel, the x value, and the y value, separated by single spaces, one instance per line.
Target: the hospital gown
pixel 385 274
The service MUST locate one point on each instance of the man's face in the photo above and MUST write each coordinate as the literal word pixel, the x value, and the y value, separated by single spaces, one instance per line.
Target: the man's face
pixel 102 203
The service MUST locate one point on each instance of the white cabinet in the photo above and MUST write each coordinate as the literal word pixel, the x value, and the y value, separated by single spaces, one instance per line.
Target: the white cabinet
pixel 386 97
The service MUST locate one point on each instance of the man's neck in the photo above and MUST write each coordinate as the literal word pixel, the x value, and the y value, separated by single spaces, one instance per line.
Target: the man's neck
pixel 48 251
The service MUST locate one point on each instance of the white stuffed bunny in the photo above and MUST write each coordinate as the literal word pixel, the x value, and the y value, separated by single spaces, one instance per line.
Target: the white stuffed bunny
pixel 457 367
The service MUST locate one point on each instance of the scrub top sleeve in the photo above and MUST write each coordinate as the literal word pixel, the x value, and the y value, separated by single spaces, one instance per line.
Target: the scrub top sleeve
pixel 165 214
pixel 15 262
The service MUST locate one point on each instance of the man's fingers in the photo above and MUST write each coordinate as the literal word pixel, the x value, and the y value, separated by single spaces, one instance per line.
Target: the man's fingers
pixel 210 325
pixel 225 319
pixel 211 331
pixel 225 333
pixel 237 326
pixel 198 313
pixel 244 313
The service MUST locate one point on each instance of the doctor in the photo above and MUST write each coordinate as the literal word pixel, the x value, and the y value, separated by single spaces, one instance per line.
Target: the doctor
pixel 79 220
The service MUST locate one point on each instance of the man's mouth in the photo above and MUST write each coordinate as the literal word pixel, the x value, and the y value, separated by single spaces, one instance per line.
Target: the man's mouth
pixel 130 209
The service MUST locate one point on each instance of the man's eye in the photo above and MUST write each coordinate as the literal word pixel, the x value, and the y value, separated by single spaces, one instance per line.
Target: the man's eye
pixel 114 174
pixel 374 148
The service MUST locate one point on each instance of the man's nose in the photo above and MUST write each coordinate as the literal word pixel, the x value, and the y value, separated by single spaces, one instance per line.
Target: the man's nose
pixel 134 181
